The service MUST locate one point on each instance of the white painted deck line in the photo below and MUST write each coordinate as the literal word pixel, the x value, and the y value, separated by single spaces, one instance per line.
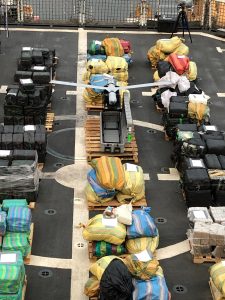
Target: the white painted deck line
pixel 65 117
pixel 146 176
pixel 173 176
pixel 71 93
pixel 47 175
pixel 148 125
pixel 220 95
pixel 80 260
pixel 49 262
pixel 3 89
pixel 173 250
pixel 197 33
pixel 219 49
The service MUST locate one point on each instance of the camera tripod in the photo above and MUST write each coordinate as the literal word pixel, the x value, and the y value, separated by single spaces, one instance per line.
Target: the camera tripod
pixel 184 21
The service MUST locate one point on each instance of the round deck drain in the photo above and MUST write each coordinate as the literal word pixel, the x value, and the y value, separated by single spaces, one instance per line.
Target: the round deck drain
pixel 45 273
pixel 140 106
pixel 59 165
pixel 179 289
pixel 56 123
pixel 165 170
pixel 80 245
pixel 160 220
pixel 50 212
pixel 151 131
pixel 64 98
pixel 134 101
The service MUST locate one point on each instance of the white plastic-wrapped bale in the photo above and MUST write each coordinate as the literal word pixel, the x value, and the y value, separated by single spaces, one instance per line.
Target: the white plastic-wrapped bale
pixel 199 214
pixel 218 214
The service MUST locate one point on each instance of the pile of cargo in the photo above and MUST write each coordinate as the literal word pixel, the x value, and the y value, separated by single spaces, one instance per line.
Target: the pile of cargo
pixel 12 275
pixel 136 272
pixel 109 179
pixel 28 137
pixel 15 226
pixel 26 102
pixel 106 58
pixel 19 174
pixel 207 238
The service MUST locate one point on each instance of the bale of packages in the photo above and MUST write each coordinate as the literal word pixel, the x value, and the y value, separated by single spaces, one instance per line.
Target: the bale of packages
pixel 2 223
pixel 92 287
pixel 92 197
pixel 110 172
pixel 116 64
pixel 113 47
pixel 218 214
pixel 98 268
pixel 134 187
pixel 16 241
pixel 97 231
pixel 96 66
pixel 217 273
pixel 102 248
pixel 7 203
pixel 199 214
pixel 140 244
pixel 168 45
pixel 19 219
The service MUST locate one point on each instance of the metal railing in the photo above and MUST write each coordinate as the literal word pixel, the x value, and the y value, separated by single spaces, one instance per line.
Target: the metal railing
pixel 208 14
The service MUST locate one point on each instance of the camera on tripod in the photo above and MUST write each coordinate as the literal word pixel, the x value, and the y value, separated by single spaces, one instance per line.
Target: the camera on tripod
pixel 185 4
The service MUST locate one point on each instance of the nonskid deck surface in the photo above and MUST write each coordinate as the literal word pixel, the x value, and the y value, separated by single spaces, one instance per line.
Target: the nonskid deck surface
pixel 53 233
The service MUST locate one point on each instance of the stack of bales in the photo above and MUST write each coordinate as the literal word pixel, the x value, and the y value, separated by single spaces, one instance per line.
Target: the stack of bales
pixel 108 57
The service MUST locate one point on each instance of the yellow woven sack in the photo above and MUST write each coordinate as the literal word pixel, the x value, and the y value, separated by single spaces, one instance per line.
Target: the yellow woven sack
pixel 92 197
pixel 141 244
pixel 97 66
pixel 110 172
pixel 91 98
pixel 113 47
pixel 123 76
pixel 98 268
pixel 182 50
pixel 154 55
pixel 86 77
pixel 192 71
pixel 168 45
pixel 116 64
pixel 156 76
pixel 92 287
pixel 197 111
pixel 134 188
pixel 139 269
pixel 97 231
pixel 217 273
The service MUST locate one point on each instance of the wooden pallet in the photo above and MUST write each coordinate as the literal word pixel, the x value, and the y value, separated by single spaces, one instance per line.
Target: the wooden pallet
pixel 24 288
pixel 28 257
pixel 216 294
pixel 32 205
pixel 49 107
pixel 92 107
pixel 114 203
pixel 49 121
pixel 40 166
pixel 93 148
pixel 205 258
pixel 166 137
pixel 92 257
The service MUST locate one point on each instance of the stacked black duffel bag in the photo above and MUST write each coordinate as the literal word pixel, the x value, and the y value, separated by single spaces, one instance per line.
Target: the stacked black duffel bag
pixel 200 158
pixel 28 137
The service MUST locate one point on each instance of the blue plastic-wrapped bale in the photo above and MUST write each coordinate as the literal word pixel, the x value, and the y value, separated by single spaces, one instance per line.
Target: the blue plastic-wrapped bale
pixel 7 203
pixel 153 289
pixel 97 56
pixel 19 219
pixel 142 225
pixel 100 191
pixel 98 80
pixel 2 223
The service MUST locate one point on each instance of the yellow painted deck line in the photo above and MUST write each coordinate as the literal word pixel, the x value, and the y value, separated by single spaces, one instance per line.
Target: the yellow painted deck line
pixel 80 260
pixel 173 250
pixel 148 125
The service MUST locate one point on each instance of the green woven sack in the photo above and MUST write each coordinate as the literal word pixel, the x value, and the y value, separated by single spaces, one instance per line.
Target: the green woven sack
pixel 16 241
pixel 16 296
pixel 103 248
pixel 10 279
pixel 96 48
pixel 6 204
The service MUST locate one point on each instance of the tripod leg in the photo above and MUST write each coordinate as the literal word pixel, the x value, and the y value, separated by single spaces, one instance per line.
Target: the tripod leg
pixel 176 24
pixel 187 25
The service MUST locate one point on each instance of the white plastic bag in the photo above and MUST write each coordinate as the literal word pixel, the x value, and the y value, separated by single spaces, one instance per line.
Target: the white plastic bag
pixel 124 214
pixel 199 98
pixel 183 84
pixel 165 97
pixel 172 77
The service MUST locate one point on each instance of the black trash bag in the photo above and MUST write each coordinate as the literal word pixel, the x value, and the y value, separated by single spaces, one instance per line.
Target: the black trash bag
pixel 116 282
